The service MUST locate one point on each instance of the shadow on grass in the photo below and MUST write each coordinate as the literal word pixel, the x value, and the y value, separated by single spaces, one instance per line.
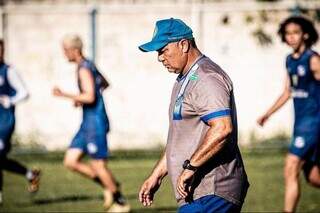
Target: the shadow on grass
pixel 157 209
pixel 68 198
pixel 134 198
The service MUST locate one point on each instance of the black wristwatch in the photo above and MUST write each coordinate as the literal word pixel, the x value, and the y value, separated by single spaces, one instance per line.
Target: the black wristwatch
pixel 187 165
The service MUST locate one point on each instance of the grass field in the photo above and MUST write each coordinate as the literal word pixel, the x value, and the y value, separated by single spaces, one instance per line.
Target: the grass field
pixel 65 191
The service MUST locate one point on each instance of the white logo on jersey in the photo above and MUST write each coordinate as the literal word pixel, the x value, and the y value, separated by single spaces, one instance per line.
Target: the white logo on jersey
pixel 1 81
pixel 1 144
pixel 299 93
pixel 92 148
pixel 299 142
pixel 301 71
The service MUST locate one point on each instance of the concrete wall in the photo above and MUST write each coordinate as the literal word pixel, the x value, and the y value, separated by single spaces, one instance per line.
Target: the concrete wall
pixel 138 99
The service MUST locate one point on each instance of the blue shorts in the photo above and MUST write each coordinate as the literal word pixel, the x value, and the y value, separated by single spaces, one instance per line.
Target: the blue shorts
pixel 91 142
pixel 7 123
pixel 306 146
pixel 210 203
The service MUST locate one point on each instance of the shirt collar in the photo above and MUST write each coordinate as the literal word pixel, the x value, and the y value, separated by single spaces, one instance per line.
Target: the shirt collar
pixel 181 76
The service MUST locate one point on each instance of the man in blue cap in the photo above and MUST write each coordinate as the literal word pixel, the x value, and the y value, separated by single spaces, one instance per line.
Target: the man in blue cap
pixel 201 157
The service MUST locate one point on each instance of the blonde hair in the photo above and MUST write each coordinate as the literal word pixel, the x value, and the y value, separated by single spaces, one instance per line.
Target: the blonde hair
pixel 73 41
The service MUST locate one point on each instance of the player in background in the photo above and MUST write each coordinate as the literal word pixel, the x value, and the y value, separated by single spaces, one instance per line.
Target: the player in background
pixel 12 92
pixel 91 137
pixel 302 84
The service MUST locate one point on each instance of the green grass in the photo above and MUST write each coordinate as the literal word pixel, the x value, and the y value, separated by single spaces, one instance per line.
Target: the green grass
pixel 62 190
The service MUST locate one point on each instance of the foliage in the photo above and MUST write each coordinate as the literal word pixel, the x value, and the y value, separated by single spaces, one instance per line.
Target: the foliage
pixel 279 141
pixel 263 38
pixel 29 143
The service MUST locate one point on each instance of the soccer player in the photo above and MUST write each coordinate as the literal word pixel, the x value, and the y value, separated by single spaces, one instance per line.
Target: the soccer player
pixel 302 84
pixel 91 137
pixel 12 92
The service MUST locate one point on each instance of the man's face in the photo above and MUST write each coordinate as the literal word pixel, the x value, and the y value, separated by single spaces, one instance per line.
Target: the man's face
pixel 173 57
pixel 294 35
pixel 69 52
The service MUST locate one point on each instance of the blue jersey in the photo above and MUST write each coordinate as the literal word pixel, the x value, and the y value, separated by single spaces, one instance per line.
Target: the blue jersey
pixel 7 118
pixel 5 87
pixel 305 92
pixel 6 114
pixel 94 115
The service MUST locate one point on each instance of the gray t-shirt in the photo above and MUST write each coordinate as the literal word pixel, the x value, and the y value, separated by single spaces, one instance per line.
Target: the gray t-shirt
pixel 204 93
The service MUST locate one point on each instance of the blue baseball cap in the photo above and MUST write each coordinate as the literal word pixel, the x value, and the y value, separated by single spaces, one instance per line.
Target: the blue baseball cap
pixel 165 32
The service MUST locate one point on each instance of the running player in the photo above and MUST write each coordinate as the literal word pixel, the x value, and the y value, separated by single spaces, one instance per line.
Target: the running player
pixel 302 84
pixel 12 91
pixel 91 137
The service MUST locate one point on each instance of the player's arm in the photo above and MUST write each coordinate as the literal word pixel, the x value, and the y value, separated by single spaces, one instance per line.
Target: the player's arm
pixel 87 95
pixel 282 99
pixel 315 66
pixel 215 139
pixel 153 182
pixel 18 85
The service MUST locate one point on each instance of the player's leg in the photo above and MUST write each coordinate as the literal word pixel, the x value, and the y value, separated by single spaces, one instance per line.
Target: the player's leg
pixel 104 174
pixel 98 151
pixel 110 184
pixel 314 176
pixel 107 181
pixel 72 161
pixel 2 154
pixel 293 165
pixel 33 176
pixel 312 166
pixel 14 167
pixel 1 185
pixel 311 171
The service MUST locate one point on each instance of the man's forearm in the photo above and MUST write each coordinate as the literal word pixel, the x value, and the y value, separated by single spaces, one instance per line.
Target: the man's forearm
pixel 160 170
pixel 213 142
pixel 82 98
pixel 279 103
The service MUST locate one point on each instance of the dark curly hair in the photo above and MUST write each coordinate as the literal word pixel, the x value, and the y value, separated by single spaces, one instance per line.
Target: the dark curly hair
pixel 306 27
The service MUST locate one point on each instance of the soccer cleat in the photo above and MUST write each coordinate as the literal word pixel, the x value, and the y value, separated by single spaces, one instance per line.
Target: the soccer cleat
pixel 117 208
pixel 35 181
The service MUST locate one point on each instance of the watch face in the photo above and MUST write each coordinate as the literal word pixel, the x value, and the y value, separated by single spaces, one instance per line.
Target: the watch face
pixel 185 164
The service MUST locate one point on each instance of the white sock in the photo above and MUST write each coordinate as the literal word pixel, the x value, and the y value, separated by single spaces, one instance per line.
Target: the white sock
pixel 0 196
pixel 29 175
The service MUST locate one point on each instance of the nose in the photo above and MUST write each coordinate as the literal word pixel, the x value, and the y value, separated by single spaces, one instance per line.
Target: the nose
pixel 290 36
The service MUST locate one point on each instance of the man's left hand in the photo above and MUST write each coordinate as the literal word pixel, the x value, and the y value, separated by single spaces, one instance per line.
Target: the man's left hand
pixel 184 182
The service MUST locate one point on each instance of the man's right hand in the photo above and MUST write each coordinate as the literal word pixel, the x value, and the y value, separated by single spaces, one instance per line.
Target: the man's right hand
pixel 148 189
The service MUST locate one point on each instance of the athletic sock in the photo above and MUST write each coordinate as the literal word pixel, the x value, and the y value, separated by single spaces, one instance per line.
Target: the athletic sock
pixel 29 175
pixel 119 198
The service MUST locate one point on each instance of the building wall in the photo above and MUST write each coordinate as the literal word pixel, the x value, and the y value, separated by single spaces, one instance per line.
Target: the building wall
pixel 138 99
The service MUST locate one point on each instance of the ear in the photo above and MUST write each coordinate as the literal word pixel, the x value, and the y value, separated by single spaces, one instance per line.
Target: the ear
pixel 305 36
pixel 185 45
